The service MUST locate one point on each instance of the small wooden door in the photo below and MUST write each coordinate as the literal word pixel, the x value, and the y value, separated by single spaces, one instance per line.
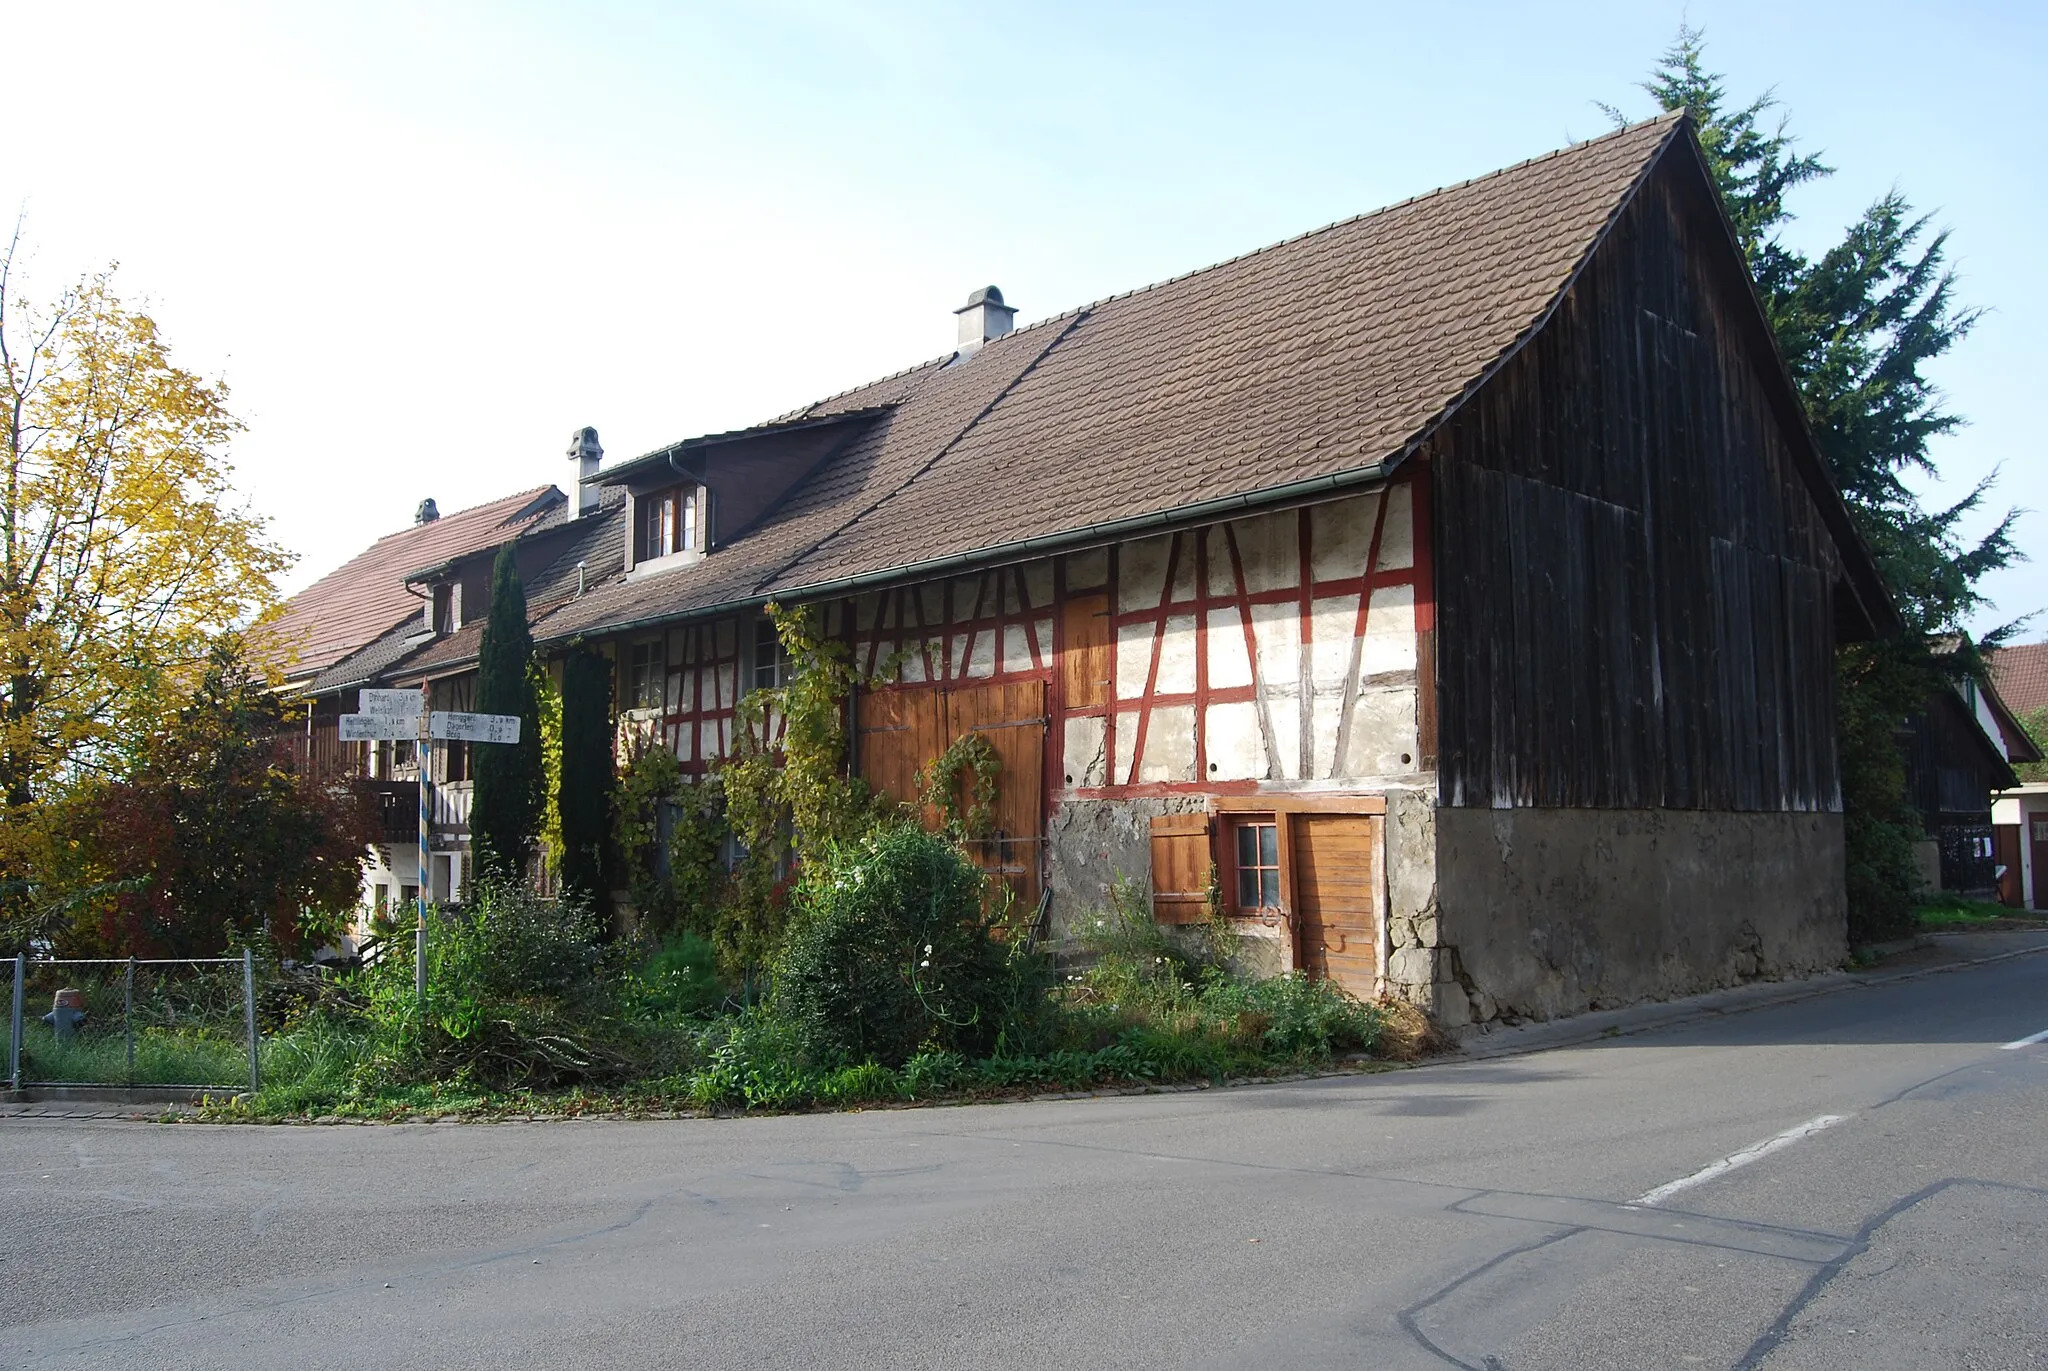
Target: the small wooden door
pixel 2005 856
pixel 1336 898
pixel 2037 834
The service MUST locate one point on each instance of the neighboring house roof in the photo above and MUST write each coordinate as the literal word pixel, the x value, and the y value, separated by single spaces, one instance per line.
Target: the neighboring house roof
pixel 366 597
pixel 597 542
pixel 1306 366
pixel 2021 674
pixel 2019 744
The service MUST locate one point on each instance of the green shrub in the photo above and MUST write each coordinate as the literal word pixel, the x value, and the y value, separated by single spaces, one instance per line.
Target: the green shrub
pixel 520 994
pixel 932 1072
pixel 310 1066
pixel 889 953
pixel 755 1061
pixel 680 981
pixel 1295 1017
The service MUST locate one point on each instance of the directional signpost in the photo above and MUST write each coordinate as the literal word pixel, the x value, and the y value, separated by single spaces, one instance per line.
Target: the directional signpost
pixel 398 714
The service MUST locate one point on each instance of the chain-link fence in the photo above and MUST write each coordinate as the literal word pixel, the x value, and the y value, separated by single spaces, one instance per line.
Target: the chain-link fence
pixel 138 1022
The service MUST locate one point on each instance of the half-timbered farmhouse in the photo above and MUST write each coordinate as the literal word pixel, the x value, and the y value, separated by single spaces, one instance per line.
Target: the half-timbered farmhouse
pixel 1448 594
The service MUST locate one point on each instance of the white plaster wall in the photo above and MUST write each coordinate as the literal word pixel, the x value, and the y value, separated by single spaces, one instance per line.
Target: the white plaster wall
pixel 911 627
pixel 1338 708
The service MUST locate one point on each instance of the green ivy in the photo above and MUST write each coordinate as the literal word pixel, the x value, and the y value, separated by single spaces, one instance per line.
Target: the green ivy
pixel 549 700
pixel 686 897
pixel 791 802
pixel 939 785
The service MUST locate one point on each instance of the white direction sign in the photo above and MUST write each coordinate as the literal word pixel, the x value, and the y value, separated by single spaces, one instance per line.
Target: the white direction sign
pixel 397 704
pixel 474 728
pixel 372 728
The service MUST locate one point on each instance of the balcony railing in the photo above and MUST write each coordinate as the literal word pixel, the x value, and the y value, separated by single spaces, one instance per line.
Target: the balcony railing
pixel 398 808
pixel 451 804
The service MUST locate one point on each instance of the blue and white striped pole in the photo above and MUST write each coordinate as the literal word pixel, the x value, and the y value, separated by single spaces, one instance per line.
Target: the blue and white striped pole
pixel 419 937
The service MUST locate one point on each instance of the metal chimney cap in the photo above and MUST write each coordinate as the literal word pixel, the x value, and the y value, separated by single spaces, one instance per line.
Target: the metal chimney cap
pixel 987 295
pixel 583 443
pixel 427 512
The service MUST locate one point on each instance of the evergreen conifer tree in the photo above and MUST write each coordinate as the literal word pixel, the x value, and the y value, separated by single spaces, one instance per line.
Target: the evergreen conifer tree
pixel 585 795
pixel 1857 326
pixel 505 815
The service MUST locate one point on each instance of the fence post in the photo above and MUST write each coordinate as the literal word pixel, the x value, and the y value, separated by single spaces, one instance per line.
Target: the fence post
pixel 128 1014
pixel 249 1016
pixel 14 1022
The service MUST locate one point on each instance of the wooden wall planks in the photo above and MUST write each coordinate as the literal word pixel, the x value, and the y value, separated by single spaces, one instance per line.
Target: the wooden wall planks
pixel 1633 582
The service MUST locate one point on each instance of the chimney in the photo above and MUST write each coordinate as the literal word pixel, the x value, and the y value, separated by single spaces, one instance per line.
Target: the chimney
pixel 427 512
pixel 585 452
pixel 983 319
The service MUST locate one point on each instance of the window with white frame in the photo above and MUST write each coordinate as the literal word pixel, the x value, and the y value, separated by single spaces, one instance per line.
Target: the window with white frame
pixel 646 674
pixel 667 522
pixel 771 660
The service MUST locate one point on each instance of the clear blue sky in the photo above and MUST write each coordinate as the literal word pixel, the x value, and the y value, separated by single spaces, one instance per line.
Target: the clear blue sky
pixel 424 242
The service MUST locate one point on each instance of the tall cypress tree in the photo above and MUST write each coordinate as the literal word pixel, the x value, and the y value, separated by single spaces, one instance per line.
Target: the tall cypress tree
pixel 505 816
pixel 1857 326
pixel 585 796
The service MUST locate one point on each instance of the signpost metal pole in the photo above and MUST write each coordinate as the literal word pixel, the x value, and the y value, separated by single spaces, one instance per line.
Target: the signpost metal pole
pixel 386 714
pixel 419 937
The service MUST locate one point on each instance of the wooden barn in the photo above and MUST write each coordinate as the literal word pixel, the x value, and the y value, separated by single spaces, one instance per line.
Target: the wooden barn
pixel 1448 594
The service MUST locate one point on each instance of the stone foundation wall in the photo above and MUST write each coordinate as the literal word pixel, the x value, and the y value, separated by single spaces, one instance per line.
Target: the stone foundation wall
pixel 1091 843
pixel 1538 913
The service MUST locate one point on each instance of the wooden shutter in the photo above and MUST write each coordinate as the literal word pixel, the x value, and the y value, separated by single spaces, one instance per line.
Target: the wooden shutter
pixel 1086 653
pixel 1181 861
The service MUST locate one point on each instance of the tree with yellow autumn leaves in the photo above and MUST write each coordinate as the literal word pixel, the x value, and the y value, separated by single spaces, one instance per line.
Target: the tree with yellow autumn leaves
pixel 125 555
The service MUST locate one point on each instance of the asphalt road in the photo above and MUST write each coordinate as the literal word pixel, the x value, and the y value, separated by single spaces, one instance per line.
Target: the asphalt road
pixel 1484 1214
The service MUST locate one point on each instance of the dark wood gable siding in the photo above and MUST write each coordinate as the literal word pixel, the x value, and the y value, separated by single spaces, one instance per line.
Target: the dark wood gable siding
pixel 1634 585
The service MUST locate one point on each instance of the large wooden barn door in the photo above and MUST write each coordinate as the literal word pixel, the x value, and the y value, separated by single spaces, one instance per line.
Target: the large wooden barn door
pixel 902 731
pixel 1336 885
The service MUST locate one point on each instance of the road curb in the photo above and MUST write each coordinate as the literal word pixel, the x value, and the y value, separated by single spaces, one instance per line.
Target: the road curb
pixel 1607 1025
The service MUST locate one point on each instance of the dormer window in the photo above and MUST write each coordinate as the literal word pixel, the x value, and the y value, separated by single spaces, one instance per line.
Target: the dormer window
pixel 670 521
pixel 447 607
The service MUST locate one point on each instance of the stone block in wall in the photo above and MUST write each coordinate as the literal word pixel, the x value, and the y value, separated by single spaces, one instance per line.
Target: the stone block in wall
pixel 1450 1005
pixel 1412 967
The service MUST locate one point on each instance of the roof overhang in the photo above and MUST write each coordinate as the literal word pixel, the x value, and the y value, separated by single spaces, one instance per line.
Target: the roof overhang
pixel 664 459
pixel 1312 491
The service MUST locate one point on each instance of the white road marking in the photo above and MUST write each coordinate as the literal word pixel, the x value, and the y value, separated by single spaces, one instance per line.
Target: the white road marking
pixel 1734 1160
pixel 2028 1041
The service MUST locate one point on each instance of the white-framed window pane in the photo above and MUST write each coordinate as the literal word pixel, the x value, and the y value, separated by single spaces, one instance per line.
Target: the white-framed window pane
pixel 770 666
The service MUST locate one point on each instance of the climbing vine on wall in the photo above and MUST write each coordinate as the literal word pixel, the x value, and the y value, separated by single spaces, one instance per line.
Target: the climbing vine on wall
pixel 549 700
pixel 788 797
pixel 970 755
pixel 686 889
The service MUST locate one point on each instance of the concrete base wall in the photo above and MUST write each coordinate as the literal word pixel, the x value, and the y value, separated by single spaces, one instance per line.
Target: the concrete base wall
pixel 1093 843
pixel 1927 862
pixel 1545 912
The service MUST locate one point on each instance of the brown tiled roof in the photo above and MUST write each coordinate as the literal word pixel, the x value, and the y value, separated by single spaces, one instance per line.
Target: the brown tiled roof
pixel 1319 357
pixel 2021 674
pixel 599 542
pixel 365 597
